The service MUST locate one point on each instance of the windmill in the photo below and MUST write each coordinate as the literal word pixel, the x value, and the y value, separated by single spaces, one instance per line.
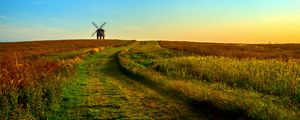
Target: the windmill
pixel 99 30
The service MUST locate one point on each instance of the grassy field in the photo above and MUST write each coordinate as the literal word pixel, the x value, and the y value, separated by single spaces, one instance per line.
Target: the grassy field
pixel 31 82
pixel 260 51
pixel 37 48
pixel 248 86
pixel 115 79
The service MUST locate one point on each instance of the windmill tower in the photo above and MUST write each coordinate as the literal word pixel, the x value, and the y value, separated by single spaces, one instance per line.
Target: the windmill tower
pixel 99 30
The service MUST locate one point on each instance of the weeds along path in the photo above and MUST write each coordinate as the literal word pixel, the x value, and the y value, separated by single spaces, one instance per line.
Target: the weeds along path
pixel 102 91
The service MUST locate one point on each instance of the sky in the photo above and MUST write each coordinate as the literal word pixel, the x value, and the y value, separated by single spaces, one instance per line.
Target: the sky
pixel 225 21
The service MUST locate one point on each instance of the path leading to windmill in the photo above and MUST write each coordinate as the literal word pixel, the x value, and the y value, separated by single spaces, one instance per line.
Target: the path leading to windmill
pixel 103 91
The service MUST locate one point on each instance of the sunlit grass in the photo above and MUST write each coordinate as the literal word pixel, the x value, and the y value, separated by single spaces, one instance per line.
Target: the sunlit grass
pixel 271 77
pixel 260 89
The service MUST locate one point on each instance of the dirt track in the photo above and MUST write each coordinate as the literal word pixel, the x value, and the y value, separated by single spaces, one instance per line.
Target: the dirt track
pixel 103 91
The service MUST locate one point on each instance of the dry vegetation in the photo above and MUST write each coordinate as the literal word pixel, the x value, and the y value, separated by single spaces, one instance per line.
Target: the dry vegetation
pixel 30 85
pixel 283 51
pixel 35 48
pixel 224 78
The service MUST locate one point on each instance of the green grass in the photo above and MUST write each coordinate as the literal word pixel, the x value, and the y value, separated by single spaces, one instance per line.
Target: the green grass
pixel 80 99
pixel 100 90
pixel 71 89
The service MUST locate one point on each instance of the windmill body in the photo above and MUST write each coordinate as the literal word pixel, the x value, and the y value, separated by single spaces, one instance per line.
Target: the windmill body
pixel 99 30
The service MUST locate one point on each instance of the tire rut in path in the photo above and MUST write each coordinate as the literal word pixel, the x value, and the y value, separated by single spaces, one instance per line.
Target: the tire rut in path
pixel 106 93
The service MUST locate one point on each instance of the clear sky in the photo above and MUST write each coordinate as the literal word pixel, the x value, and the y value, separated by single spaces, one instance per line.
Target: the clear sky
pixel 239 21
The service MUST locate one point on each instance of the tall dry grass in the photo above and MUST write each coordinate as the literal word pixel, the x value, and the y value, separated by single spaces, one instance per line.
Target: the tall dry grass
pixel 261 51
pixel 29 87
pixel 37 48
pixel 271 77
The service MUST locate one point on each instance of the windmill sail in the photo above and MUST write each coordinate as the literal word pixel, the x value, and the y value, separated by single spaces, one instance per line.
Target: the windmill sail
pixel 94 33
pixel 95 25
pixel 103 24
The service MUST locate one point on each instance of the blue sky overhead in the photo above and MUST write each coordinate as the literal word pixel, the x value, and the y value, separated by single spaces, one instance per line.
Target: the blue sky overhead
pixel 245 21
